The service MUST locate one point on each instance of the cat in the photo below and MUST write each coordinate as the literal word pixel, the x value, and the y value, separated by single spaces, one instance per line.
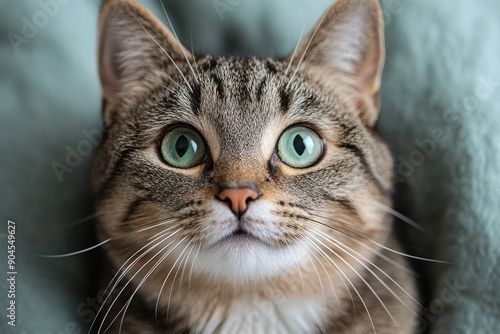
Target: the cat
pixel 245 195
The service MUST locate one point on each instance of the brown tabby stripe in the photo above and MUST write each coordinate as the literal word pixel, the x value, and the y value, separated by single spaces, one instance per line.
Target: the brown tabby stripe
pixel 285 100
pixel 270 66
pixel 362 159
pixel 260 88
pixel 133 207
pixel 208 65
pixel 108 183
pixel 195 98
pixel 218 85
pixel 344 202
pixel 310 102
pixel 170 102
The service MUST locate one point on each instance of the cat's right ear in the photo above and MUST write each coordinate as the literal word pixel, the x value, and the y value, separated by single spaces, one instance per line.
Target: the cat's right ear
pixel 134 50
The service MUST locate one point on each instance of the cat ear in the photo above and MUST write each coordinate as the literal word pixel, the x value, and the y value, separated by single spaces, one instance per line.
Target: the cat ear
pixel 133 47
pixel 347 45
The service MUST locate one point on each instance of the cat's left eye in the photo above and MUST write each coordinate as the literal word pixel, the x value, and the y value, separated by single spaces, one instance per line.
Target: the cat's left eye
pixel 300 147
pixel 183 147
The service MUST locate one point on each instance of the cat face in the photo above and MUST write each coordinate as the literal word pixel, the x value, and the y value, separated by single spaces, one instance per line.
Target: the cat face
pixel 242 168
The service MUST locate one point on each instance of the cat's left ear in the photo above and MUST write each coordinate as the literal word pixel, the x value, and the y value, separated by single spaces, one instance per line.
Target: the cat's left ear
pixel 347 47
pixel 134 50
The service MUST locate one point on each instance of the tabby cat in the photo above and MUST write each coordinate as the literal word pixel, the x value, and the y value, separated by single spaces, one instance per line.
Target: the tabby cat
pixel 245 195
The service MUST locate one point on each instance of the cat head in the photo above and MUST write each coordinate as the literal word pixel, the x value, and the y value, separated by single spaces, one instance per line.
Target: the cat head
pixel 251 164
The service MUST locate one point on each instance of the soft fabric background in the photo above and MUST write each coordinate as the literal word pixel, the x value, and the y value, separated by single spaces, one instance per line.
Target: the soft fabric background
pixel 440 114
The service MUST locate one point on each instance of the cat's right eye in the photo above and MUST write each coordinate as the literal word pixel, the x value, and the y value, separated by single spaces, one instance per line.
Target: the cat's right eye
pixel 300 147
pixel 183 147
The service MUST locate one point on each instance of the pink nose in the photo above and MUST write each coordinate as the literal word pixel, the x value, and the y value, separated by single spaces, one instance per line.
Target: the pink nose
pixel 239 197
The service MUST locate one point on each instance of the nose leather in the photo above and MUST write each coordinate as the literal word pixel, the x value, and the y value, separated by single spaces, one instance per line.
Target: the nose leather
pixel 239 197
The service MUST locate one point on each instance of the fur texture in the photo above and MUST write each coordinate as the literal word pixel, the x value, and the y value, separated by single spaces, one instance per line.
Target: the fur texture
pixel 318 255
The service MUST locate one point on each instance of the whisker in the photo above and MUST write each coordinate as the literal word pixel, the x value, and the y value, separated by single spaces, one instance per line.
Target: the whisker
pixel 192 264
pixel 148 274
pixel 127 304
pixel 370 240
pixel 348 251
pixel 408 255
pixel 382 256
pixel 402 267
pixel 129 281
pixel 329 218
pixel 327 274
pixel 136 230
pixel 361 278
pixel 117 282
pixel 166 278
pixel 170 90
pixel 123 272
pixel 335 228
pixel 185 263
pixel 398 215
pixel 317 274
pixel 82 220
pixel 333 289
pixel 348 280
pixel 297 265
pixel 175 276
pixel 77 252
pixel 172 80
pixel 192 53
pixel 175 34
pixel 298 43
pixel 166 53
pixel 305 50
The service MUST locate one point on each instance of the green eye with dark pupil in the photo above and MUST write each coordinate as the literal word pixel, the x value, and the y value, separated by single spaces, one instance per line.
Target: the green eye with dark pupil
pixel 300 147
pixel 183 147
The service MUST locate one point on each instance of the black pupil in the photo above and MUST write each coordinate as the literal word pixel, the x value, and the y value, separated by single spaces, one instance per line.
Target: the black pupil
pixel 182 145
pixel 298 144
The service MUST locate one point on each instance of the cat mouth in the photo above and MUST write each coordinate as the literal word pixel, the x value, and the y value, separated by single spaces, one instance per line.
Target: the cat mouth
pixel 240 231
pixel 240 235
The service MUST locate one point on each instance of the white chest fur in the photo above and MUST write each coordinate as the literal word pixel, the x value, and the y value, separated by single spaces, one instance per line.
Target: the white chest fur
pixel 251 316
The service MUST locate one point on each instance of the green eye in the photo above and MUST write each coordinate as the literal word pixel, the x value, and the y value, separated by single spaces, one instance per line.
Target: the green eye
pixel 300 147
pixel 183 147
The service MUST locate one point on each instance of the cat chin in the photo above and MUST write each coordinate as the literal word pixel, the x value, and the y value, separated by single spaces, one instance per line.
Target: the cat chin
pixel 241 258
